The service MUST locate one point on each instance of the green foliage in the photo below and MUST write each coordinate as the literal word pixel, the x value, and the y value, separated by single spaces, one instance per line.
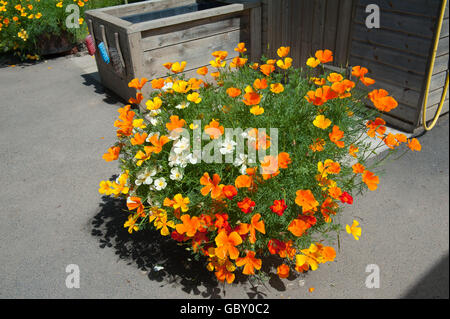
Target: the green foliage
pixel 26 24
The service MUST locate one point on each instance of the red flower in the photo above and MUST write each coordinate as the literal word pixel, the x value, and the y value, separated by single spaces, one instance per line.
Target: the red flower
pixel 229 191
pixel 246 205
pixel 177 236
pixel 346 198
pixel 278 207
pixel 275 246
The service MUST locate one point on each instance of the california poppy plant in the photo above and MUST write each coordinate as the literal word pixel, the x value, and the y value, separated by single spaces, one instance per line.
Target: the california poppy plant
pixel 256 159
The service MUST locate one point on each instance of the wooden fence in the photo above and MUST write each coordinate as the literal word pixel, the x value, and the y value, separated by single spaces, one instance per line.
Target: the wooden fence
pixel 307 26
pixel 397 54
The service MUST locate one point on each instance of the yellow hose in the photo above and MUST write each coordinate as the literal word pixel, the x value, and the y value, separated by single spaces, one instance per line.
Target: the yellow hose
pixel 430 73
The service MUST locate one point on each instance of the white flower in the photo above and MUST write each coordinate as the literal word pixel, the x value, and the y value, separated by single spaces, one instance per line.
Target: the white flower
pixel 193 158
pixel 182 145
pixel 182 105
pixel 167 86
pixel 242 160
pixel 227 147
pixel 177 160
pixel 145 177
pixel 176 174
pixel 160 183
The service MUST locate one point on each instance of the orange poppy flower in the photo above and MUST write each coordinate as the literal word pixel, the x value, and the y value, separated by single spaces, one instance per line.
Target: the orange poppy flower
pixel 276 88
pixel 358 168
pixel 318 145
pixel 278 207
pixel 238 62
pixel 335 192
pixel 371 180
pixel 267 69
pixel 249 262
pixel 157 143
pixel 353 150
pixel 321 95
pixel 321 122
pixel 318 81
pixel 359 71
pixel 335 77
pixel 178 67
pixel 335 136
pixel 233 92
pixel 202 71
pixel 243 181
pixel 112 154
pixel 226 245
pixel 195 83
pixel 376 126
pixel 138 138
pixel 284 160
pixel 401 138
pixel 269 167
pixel 246 205
pixel 283 51
pixel 298 227
pixel 328 207
pixel 224 272
pixel 240 48
pixel 306 200
pixel 255 225
pixel 254 66
pixel 221 55
pixel 137 100
pixel 324 56
pixel 312 62
pixel 390 141
pixel 135 83
pixel 134 202
pixel 168 65
pixel 260 84
pixel 382 101
pixel 211 185
pixel 189 225
pixel 283 271
pixel 229 191
pixel 286 64
pixel 214 129
pixel 367 81
pixel 175 123
pixel 251 98
pixel 414 145
pixel 158 83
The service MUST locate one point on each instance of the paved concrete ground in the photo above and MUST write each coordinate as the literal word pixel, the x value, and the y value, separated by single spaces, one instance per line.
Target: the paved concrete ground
pixel 56 122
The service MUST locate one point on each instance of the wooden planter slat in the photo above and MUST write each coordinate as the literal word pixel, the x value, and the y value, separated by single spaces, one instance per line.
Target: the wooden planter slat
pixel 190 37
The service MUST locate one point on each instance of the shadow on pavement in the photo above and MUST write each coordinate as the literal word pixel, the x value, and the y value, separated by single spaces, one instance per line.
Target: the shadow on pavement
pixel 434 285
pixel 93 80
pixel 168 262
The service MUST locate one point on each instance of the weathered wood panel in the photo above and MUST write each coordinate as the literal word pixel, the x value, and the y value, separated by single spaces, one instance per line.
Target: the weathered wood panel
pixel 160 38
pixel 191 37
pixel 189 52
pixel 307 26
pixel 398 54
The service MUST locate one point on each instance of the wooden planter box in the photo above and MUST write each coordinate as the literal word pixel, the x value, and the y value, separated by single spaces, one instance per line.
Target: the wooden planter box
pixel 147 34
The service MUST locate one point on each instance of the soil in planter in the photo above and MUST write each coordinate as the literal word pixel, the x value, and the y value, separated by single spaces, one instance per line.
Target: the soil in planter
pixel 170 12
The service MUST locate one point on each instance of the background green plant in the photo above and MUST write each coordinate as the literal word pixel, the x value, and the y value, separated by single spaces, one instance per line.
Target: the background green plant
pixel 52 22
